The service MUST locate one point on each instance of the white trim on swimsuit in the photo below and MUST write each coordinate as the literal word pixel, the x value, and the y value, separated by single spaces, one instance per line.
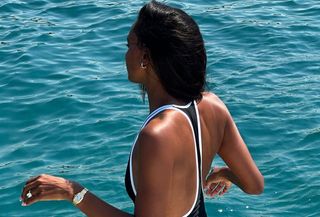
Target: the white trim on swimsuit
pixel 175 107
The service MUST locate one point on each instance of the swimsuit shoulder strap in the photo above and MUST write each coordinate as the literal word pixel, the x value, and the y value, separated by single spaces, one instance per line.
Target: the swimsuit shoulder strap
pixel 148 119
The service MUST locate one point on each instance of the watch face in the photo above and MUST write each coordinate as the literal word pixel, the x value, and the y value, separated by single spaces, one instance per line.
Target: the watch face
pixel 78 197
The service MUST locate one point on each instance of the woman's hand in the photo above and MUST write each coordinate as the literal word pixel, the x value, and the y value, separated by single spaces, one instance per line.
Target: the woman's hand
pixel 217 182
pixel 46 187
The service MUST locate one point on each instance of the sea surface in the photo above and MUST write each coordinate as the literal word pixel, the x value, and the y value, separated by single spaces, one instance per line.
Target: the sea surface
pixel 67 108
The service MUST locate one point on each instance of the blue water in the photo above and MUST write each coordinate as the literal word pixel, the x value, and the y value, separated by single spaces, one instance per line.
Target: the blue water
pixel 67 108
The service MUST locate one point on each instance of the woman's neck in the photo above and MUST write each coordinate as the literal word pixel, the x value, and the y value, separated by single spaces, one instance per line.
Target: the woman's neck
pixel 158 97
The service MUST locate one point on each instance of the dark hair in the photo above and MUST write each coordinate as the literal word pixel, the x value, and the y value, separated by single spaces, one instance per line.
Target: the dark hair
pixel 176 49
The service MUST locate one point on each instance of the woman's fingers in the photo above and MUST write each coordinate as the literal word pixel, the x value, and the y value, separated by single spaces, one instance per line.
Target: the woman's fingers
pixel 219 188
pixel 213 189
pixel 226 188
pixel 46 187
pixel 32 199
pixel 222 187
pixel 31 193
pixel 217 183
pixel 43 192
pixel 40 194
pixel 224 191
pixel 27 188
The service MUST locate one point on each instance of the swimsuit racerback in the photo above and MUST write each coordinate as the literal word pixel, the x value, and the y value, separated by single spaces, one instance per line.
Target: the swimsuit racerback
pixel 190 111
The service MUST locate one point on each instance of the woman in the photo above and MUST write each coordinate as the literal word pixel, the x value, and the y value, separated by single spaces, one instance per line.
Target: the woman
pixel 171 158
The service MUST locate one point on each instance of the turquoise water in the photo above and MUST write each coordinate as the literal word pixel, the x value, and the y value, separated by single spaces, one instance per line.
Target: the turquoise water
pixel 67 109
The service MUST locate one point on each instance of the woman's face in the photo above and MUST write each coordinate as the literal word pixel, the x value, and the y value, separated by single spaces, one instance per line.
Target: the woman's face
pixel 134 59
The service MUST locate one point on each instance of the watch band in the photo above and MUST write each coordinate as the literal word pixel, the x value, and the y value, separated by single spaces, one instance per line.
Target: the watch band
pixel 79 196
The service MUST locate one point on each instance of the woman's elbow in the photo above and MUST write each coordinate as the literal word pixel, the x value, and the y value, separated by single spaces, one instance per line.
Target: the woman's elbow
pixel 257 187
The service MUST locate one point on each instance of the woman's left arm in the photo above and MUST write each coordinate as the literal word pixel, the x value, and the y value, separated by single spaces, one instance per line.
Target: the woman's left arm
pixel 46 187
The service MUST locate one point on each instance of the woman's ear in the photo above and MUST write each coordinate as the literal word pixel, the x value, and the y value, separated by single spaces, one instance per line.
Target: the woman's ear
pixel 145 60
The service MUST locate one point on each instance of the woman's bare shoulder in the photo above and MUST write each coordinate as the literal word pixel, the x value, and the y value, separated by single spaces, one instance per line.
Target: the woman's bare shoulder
pixel 211 101
pixel 163 128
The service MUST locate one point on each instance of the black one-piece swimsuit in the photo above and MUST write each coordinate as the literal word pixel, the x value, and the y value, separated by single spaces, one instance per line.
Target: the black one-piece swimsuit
pixel 190 111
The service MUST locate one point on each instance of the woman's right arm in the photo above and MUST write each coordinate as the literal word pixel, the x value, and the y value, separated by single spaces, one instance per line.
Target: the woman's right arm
pixel 46 187
pixel 155 162
pixel 242 170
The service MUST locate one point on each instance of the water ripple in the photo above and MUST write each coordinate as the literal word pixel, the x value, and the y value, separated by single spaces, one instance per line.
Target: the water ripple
pixel 67 107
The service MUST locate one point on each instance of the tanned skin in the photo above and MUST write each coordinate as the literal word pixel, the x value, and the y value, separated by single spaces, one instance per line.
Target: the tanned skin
pixel 164 163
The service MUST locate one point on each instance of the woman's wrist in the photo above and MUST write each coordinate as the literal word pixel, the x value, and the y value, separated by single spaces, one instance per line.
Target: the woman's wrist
pixel 229 175
pixel 225 173
pixel 72 189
